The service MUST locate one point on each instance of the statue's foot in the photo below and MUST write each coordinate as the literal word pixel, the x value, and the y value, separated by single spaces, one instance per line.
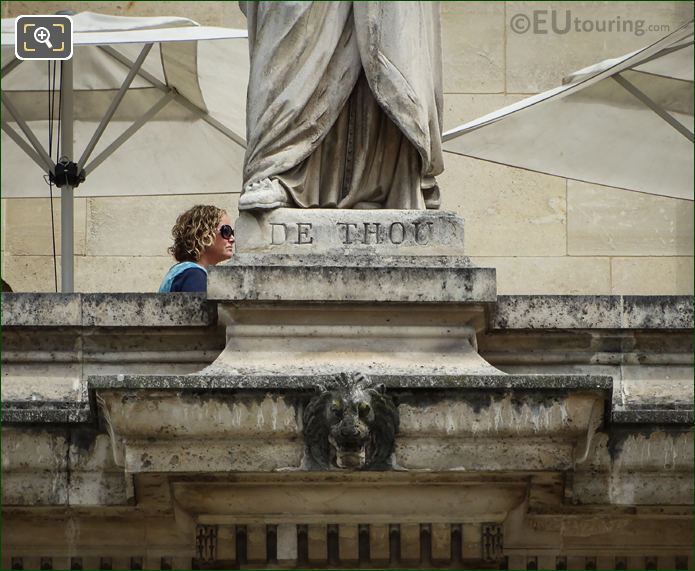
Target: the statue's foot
pixel 430 192
pixel 264 195
pixel 368 206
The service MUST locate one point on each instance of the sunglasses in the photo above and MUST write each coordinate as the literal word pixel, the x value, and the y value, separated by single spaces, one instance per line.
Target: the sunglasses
pixel 226 231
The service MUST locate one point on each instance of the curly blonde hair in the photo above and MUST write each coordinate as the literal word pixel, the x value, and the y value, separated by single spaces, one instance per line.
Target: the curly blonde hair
pixel 194 231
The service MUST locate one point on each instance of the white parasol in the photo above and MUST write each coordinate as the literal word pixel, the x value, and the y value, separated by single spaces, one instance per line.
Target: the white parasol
pixel 625 122
pixel 148 106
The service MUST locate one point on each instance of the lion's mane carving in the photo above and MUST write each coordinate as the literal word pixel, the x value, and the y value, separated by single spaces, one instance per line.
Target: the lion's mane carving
pixel 351 424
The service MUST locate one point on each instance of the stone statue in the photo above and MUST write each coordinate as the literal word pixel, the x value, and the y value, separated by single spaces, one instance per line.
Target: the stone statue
pixel 344 106
pixel 351 424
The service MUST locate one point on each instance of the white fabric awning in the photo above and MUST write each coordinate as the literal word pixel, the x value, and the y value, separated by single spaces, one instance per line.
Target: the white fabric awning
pixel 90 28
pixel 192 143
pixel 625 122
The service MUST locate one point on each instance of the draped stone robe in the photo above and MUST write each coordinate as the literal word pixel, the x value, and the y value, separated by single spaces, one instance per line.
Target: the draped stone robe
pixel 344 102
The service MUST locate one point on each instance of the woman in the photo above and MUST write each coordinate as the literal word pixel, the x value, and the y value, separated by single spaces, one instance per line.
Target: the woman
pixel 203 236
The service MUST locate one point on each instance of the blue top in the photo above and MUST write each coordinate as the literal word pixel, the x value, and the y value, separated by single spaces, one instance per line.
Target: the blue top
pixel 186 276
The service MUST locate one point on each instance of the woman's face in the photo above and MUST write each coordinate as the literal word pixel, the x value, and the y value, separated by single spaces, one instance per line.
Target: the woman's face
pixel 222 248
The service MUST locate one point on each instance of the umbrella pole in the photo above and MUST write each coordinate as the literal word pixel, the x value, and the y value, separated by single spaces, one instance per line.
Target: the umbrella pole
pixel 67 271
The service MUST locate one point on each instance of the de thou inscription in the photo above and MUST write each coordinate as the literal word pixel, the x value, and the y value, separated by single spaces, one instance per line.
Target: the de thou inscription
pixel 355 233
pixel 392 232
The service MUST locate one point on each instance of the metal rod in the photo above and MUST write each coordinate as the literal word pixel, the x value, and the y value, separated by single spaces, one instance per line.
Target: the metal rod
pixel 123 137
pixel 662 53
pixel 238 139
pixel 26 147
pixel 179 98
pixel 127 62
pixel 633 90
pixel 114 105
pixel 9 66
pixel 28 133
pixel 67 223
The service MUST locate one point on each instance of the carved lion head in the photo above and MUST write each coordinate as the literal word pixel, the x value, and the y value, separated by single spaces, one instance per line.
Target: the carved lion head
pixel 351 424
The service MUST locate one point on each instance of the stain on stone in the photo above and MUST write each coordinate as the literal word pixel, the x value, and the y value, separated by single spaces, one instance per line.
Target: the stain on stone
pixel 480 399
pixel 84 438
pixel 618 435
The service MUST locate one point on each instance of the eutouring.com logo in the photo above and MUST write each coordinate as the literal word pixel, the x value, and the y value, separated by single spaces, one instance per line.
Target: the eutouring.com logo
pixel 563 22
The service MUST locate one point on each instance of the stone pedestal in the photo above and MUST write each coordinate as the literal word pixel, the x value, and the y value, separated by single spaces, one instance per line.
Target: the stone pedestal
pixel 319 292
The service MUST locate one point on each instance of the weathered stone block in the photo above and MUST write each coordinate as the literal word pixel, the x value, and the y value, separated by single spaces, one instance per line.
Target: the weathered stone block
pixel 655 395
pixel 539 61
pixel 31 273
pixel 31 217
pixel 134 274
pixel 652 276
pixel 342 279
pixel 327 349
pixel 42 383
pixel 472 61
pixel 557 312
pixel 147 310
pixel 237 455
pixel 41 310
pixel 122 226
pixel 476 414
pixel 593 312
pixel 658 312
pixel 508 211
pixel 34 466
pixel 550 275
pixel 603 221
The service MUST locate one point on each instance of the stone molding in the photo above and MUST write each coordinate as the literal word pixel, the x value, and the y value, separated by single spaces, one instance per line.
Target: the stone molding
pixel 593 312
pixel 370 280
pixel 442 426
pixel 107 310
pixel 190 310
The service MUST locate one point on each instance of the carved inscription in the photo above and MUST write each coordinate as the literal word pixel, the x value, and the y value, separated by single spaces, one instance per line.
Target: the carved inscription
pixel 418 233
pixel 296 233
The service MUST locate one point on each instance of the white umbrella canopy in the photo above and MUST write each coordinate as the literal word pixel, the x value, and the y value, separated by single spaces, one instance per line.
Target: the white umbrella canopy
pixel 194 143
pixel 625 122
pixel 149 106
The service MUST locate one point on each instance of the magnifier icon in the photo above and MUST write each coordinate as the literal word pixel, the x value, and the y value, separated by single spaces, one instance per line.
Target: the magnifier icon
pixel 43 36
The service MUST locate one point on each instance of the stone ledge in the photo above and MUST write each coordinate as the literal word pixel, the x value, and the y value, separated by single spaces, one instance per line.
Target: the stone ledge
pixel 107 310
pixel 654 416
pixel 41 309
pixel 303 383
pixel 344 280
pixel 658 312
pixel 256 429
pixel 46 412
pixel 593 312
pixel 147 310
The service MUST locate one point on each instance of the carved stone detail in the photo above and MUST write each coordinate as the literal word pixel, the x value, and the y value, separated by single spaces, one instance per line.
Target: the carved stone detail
pixel 206 543
pixel 492 541
pixel 351 424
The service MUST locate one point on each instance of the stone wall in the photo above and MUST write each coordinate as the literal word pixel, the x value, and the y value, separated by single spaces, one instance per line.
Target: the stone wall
pixel 115 456
pixel 543 234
